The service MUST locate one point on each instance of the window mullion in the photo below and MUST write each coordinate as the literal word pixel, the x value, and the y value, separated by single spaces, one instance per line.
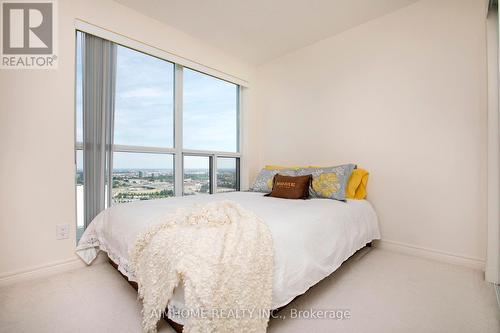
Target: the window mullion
pixel 178 168
pixel 238 174
pixel 214 173
pixel 238 119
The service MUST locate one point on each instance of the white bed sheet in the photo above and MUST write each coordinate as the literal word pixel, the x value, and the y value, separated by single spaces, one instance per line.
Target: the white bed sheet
pixel 311 238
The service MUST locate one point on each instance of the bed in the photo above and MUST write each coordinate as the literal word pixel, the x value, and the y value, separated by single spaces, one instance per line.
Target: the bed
pixel 311 238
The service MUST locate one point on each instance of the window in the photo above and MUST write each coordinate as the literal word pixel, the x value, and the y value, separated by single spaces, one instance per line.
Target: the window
pixel 210 113
pixel 79 90
pixel 197 170
pixel 79 193
pixel 227 174
pixel 143 163
pixel 146 151
pixel 79 140
pixel 144 100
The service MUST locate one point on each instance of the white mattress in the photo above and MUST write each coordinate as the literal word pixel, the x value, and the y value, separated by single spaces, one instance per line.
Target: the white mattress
pixel 311 238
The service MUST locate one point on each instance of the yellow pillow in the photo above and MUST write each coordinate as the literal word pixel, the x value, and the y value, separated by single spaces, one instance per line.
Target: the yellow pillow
pixel 356 186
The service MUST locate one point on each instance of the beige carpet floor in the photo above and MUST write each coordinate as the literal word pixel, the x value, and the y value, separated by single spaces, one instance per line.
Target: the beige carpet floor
pixel 383 291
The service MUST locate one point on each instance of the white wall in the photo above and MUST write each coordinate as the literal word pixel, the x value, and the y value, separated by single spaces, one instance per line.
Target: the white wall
pixel 493 251
pixel 37 132
pixel 404 96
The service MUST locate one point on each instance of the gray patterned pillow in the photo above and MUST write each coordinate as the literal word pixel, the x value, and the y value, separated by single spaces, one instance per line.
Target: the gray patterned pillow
pixel 330 182
pixel 264 181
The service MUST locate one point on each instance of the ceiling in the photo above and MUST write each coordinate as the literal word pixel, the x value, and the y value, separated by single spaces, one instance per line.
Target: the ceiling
pixel 259 30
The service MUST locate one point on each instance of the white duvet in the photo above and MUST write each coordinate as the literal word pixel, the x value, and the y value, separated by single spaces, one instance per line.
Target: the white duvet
pixel 311 237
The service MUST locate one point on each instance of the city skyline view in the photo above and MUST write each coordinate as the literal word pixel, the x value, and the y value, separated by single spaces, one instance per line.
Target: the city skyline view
pixel 135 184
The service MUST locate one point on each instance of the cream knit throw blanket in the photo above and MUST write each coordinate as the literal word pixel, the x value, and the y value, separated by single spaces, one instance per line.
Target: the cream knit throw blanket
pixel 222 254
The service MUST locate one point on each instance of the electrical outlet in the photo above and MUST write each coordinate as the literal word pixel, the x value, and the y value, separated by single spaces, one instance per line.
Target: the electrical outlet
pixel 62 231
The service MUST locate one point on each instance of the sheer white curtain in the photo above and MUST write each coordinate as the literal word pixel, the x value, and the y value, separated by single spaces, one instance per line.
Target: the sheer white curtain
pixel 493 247
pixel 99 73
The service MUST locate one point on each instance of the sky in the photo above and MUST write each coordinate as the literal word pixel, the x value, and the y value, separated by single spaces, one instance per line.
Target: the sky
pixel 144 113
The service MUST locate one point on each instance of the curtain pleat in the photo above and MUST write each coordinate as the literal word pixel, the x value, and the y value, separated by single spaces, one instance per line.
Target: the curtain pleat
pixel 99 76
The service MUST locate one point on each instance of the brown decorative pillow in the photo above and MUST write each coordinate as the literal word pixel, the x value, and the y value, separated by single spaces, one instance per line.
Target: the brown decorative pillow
pixel 290 187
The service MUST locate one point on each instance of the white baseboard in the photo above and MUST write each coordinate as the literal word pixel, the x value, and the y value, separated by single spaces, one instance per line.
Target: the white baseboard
pixel 423 252
pixel 45 270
